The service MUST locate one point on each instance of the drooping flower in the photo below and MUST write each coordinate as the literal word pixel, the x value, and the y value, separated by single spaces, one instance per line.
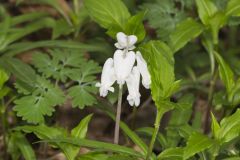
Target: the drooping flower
pixel 123 64
pixel 125 42
pixel 142 66
pixel 107 78
pixel 133 87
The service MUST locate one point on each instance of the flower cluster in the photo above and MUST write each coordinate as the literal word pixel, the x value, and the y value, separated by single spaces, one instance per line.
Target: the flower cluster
pixel 121 69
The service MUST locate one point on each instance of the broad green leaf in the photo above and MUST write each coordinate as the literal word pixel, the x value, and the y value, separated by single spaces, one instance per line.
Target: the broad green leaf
pixel 215 126
pixel 81 130
pixel 98 145
pixel 135 26
pixel 3 78
pixel 160 62
pixel 230 127
pixel 18 145
pixel 206 9
pixel 184 32
pixel 226 73
pixel 233 8
pixel 78 132
pixel 41 102
pixel 171 154
pixel 197 143
pixel 108 13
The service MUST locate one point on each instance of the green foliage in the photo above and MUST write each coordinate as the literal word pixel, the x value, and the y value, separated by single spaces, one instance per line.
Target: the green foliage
pixel 171 154
pixel 108 13
pixel 206 9
pixel 163 13
pixel 184 32
pixel 161 66
pixel 19 146
pixel 51 133
pixel 197 143
pixel 33 107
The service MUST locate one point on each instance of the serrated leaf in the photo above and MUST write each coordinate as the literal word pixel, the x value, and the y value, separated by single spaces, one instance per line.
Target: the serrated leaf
pixel 108 12
pixel 82 93
pixel 161 67
pixel 169 13
pixel 206 9
pixel 45 97
pixel 59 65
pixel 171 154
pixel 82 96
pixel 197 143
pixel 184 32
pixel 233 8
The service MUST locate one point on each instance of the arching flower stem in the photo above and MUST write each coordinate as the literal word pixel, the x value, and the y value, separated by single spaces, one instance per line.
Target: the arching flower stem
pixel 118 115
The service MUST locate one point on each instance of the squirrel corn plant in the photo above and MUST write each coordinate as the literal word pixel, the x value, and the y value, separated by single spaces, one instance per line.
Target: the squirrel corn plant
pixel 121 69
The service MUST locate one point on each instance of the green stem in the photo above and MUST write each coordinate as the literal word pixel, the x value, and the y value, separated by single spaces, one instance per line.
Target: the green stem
pixel 155 132
pixel 118 116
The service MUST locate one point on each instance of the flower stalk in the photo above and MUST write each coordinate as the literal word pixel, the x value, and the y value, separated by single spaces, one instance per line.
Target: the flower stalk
pixel 155 132
pixel 118 116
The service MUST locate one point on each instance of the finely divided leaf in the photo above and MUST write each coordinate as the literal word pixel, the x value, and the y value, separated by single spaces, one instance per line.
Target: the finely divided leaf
pixel 44 98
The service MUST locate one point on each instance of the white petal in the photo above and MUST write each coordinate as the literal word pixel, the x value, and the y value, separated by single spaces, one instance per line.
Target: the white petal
pixel 142 66
pixel 107 78
pixel 118 46
pixel 123 64
pixel 133 87
pixel 131 41
pixel 122 39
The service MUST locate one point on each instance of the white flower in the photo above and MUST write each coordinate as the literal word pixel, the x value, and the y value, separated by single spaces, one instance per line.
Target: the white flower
pixel 107 78
pixel 133 87
pixel 123 64
pixel 125 42
pixel 142 66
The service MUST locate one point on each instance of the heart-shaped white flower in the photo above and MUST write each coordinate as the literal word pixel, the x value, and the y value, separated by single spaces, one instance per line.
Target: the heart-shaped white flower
pixel 123 64
pixel 125 42
pixel 107 78
pixel 142 66
pixel 133 87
